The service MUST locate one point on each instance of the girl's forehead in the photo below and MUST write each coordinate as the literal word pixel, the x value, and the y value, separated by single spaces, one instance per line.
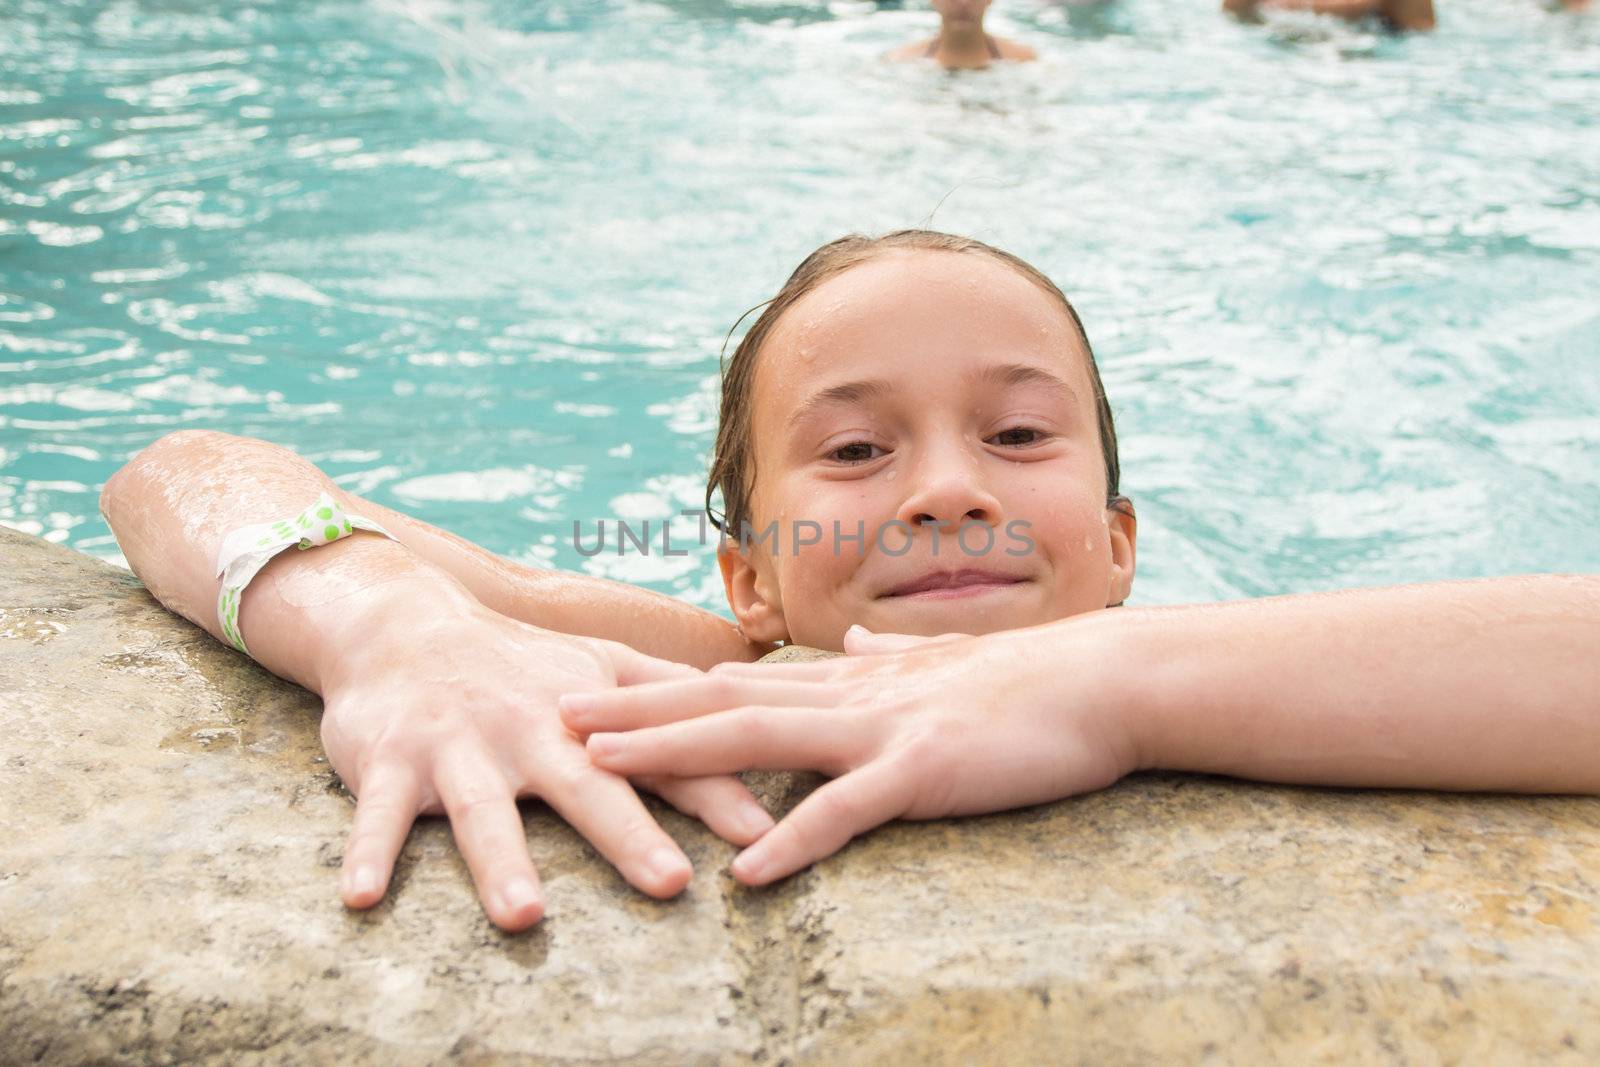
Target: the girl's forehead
pixel 898 287
pixel 911 310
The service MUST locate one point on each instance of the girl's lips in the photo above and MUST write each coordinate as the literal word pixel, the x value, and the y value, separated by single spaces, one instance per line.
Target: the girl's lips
pixel 952 592
pixel 941 585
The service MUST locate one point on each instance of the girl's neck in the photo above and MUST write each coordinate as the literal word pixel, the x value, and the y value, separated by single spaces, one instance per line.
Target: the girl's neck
pixel 962 43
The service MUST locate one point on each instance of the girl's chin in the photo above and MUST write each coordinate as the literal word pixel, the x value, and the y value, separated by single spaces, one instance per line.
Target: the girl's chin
pixel 924 616
pixel 930 617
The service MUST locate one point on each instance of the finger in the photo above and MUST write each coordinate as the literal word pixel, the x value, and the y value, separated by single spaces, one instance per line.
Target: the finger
pixel 658 703
pixel 609 814
pixel 634 667
pixel 860 641
pixel 949 635
pixel 721 802
pixel 812 670
pixel 744 739
pixel 385 810
pixel 825 822
pixel 488 830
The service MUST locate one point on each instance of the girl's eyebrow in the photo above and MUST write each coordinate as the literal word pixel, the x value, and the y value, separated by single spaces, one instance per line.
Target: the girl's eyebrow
pixel 1024 374
pixel 843 393
pixel 1004 374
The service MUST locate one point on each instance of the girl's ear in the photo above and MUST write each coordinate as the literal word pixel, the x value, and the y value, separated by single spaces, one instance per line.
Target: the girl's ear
pixel 1124 530
pixel 752 595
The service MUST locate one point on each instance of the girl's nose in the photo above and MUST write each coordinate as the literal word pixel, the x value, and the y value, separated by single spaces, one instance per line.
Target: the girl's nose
pixel 947 490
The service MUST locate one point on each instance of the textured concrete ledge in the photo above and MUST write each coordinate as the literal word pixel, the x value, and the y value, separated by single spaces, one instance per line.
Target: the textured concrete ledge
pixel 169 840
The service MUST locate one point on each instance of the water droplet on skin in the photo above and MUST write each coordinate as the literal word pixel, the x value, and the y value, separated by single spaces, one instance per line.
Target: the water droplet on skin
pixel 890 476
pixel 1088 543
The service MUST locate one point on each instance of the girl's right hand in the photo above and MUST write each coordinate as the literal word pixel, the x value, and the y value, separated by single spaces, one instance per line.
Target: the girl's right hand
pixel 454 712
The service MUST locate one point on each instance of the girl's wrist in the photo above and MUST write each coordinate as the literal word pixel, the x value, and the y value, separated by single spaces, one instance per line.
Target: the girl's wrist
pixel 374 613
pixel 1095 666
pixel 1162 656
pixel 1182 688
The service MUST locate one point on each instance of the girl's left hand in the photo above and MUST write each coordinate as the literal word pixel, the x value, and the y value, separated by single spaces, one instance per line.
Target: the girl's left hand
pixel 914 728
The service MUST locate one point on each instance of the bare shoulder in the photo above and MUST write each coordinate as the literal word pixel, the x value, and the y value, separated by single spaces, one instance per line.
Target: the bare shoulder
pixel 1015 50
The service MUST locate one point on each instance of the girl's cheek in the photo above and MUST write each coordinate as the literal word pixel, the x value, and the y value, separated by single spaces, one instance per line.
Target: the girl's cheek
pixel 812 582
pixel 832 534
pixel 1071 527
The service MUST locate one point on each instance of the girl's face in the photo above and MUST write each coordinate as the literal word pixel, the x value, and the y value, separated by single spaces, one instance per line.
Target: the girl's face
pixel 913 398
pixel 961 10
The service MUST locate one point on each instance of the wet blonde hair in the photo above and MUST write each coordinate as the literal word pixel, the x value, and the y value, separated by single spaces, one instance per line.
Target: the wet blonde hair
pixel 733 460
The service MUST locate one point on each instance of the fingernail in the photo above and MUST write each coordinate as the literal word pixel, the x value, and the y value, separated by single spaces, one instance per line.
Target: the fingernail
pixel 666 864
pixel 518 895
pixel 749 865
pixel 364 880
pixel 603 745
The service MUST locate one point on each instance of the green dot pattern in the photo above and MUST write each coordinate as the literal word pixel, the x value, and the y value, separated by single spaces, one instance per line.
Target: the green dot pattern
pixel 228 613
pixel 302 532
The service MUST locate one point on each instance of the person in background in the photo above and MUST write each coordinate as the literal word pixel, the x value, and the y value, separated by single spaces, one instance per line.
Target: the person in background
pixel 962 42
pixel 1400 14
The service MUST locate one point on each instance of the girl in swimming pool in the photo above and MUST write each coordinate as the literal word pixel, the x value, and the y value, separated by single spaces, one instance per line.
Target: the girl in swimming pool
pixel 927 384
pixel 905 395
pixel 962 43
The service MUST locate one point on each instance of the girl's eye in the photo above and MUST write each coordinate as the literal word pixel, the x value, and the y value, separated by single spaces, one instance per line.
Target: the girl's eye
pixel 1019 435
pixel 854 452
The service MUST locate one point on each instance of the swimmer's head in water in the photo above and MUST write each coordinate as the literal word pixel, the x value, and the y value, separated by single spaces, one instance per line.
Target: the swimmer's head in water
pixel 961 11
pixel 909 387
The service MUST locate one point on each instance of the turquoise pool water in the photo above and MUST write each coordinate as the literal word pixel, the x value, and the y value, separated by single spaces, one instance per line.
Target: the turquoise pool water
pixel 477 259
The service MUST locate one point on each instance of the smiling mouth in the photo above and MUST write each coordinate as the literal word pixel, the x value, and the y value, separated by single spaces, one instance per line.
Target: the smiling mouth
pixel 951 586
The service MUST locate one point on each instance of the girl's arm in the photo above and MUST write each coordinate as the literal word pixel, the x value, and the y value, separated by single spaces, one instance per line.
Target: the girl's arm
pixel 1490 684
pixel 568 603
pixel 433 702
pixel 1481 685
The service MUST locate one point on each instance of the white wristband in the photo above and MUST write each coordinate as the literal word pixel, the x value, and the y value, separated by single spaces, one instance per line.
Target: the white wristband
pixel 249 548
